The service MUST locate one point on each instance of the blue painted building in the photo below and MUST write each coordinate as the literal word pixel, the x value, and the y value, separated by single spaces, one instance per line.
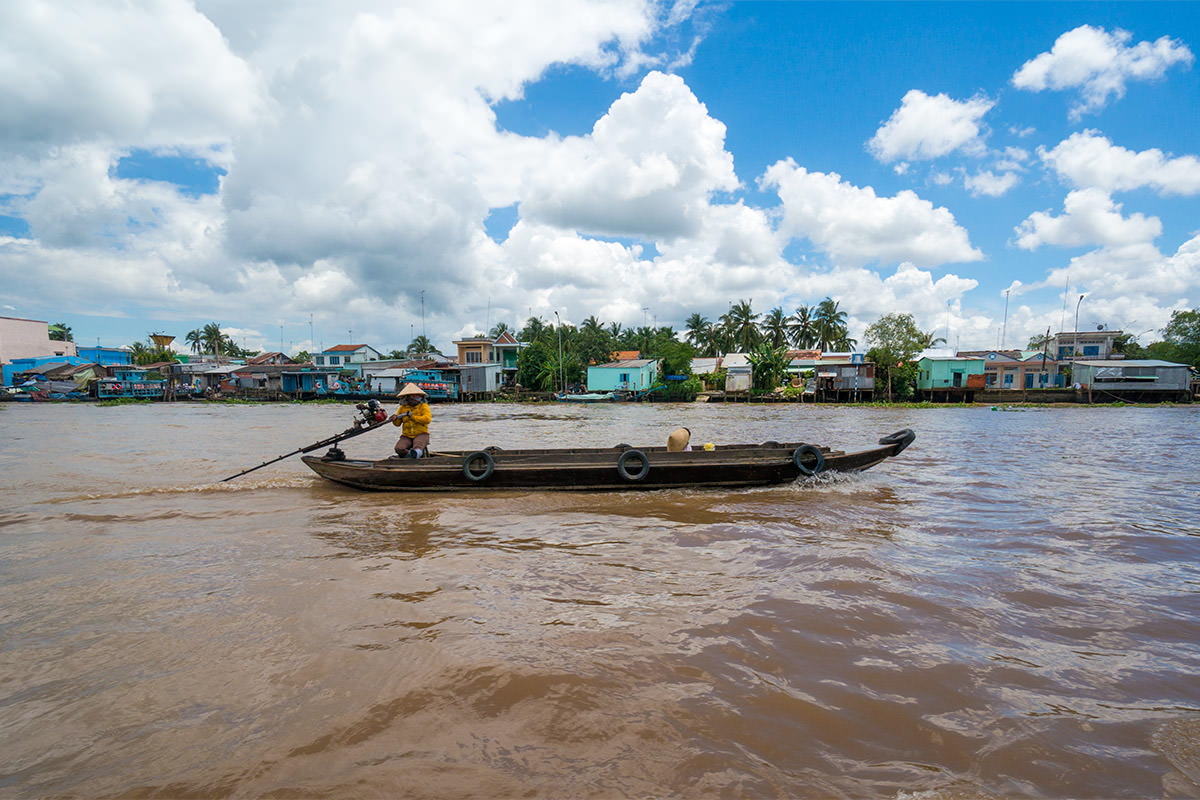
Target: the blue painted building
pixel 108 356
pixel 632 375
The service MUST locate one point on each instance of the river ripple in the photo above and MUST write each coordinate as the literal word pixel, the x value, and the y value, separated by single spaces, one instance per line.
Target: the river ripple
pixel 1010 608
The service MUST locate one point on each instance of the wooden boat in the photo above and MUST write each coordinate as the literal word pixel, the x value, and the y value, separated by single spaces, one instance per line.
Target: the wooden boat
pixel 593 469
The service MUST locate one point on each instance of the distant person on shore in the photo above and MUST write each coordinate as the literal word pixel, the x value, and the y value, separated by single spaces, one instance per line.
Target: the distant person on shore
pixel 414 417
pixel 678 441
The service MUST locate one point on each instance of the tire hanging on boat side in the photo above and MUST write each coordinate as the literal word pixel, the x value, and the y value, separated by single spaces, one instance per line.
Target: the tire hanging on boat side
pixel 633 455
pixel 489 466
pixel 808 450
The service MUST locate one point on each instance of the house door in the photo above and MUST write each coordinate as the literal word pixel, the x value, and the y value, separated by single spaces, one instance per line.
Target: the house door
pixel 958 381
pixel 1028 380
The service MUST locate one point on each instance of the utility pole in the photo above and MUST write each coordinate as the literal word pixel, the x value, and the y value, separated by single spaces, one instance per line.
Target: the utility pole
pixel 422 313
pixel 311 339
pixel 561 380
pixel 1004 335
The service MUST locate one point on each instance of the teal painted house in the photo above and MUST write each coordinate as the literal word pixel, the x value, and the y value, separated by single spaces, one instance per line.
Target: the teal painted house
pixel 940 375
pixel 633 375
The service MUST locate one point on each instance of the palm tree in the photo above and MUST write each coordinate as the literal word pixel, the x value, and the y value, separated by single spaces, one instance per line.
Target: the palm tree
pixel 421 345
pixel 140 353
pixel 61 332
pixel 801 328
pixel 928 340
pixel 699 331
pixel 212 339
pixel 830 324
pixel 194 338
pixel 775 328
pixel 741 325
pixel 535 330
pixel 499 329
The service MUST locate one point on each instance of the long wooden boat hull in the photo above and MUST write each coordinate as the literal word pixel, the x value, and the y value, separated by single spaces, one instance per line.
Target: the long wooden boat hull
pixel 599 469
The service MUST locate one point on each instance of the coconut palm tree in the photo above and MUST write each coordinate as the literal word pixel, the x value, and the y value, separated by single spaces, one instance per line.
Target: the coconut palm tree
pixel 422 345
pixel 801 328
pixel 699 331
pixel 60 332
pixel 211 338
pixel 535 330
pixel 742 326
pixel 829 324
pixel 499 329
pixel 775 328
pixel 194 338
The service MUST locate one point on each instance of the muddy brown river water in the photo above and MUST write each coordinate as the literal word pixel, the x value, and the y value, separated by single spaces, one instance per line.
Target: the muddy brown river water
pixel 1011 608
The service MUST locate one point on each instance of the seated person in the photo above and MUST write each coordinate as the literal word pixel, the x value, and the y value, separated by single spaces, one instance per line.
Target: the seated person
pixel 678 441
pixel 414 417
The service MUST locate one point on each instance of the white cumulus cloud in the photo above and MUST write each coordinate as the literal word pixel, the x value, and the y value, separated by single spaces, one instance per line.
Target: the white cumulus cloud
pixel 1099 64
pixel 929 126
pixel 856 226
pixel 648 167
pixel 1090 216
pixel 1088 159
pixel 985 182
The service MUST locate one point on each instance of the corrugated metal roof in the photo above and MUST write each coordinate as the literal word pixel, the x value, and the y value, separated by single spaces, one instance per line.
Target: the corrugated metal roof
pixel 633 362
pixel 1146 362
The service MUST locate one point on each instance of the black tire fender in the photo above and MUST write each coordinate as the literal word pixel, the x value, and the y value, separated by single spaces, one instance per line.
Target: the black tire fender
pixel 633 455
pixel 813 454
pixel 489 466
pixel 903 438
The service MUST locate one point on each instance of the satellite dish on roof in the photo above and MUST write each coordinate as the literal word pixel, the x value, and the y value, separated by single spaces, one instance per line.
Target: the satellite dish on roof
pixel 1100 327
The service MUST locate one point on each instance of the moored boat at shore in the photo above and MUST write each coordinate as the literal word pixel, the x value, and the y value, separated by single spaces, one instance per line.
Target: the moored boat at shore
pixel 593 469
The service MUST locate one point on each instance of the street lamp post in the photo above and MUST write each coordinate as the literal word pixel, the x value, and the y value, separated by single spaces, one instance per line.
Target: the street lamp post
pixel 561 380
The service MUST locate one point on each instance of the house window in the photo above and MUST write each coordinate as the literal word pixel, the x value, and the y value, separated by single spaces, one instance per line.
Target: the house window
pixel 474 357
pixel 1008 376
pixel 624 377
pixel 1091 350
pixel 320 361
pixel 333 361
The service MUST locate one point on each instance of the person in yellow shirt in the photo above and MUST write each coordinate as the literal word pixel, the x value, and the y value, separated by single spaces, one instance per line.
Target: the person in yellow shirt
pixel 413 417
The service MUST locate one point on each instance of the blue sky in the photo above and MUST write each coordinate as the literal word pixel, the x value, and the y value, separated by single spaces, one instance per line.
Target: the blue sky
pixel 166 165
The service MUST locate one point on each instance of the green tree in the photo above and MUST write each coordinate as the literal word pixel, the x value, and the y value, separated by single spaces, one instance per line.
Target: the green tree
pixel 768 366
pixel 740 325
pixel 304 357
pixel 895 341
pixel 1127 345
pixel 829 325
pixel 499 329
pixel 61 332
pixel 594 344
pixel 1183 334
pixel 535 330
pixel 1039 341
pixel 675 357
pixel 775 328
pixel 195 339
pixel 211 338
pixel 699 333
pixel 802 328
pixel 421 346
pixel 536 368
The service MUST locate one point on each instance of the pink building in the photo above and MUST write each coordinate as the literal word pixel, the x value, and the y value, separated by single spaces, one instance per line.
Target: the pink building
pixel 29 338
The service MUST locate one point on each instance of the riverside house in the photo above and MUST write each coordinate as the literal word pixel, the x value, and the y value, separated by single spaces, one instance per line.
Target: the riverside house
pixel 1017 369
pixel 1135 379
pixel 944 377
pixel 630 375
